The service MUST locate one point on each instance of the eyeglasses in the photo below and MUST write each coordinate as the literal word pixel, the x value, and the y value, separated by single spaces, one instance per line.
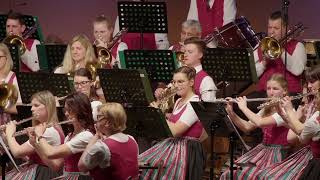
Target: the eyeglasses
pixel 83 83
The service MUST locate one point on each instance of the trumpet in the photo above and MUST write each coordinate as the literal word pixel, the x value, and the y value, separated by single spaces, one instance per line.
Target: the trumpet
pixel 104 57
pixel 3 127
pixel 275 101
pixel 25 131
pixel 272 49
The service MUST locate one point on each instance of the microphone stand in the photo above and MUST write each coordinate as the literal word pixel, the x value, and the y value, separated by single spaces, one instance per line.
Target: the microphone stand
pixel 285 7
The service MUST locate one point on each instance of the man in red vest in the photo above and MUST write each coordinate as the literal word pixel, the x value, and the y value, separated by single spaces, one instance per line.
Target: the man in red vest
pixel 212 13
pixel 15 25
pixel 296 57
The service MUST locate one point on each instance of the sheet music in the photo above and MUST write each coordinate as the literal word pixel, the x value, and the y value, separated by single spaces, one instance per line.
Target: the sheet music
pixel 8 153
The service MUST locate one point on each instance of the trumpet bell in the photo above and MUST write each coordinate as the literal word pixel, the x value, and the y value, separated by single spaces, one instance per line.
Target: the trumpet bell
pixel 104 56
pixel 8 96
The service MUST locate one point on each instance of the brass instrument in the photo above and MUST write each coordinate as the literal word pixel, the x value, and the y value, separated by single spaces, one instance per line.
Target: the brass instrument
pixel 166 99
pixel 180 57
pixel 275 101
pixel 272 49
pixel 24 131
pixel 104 57
pixel 8 96
pixel 19 40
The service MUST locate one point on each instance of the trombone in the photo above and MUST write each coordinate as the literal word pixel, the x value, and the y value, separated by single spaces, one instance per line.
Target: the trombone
pixel 19 40
pixel 272 48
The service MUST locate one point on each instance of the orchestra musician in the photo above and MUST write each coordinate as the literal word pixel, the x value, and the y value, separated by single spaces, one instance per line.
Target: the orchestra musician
pixel 275 133
pixel 39 167
pixel 83 83
pixel 79 52
pixel 189 28
pixel 212 13
pixel 303 125
pixel 77 108
pixel 296 57
pixel 187 132
pixel 102 31
pixel 204 85
pixel 15 25
pixel 9 77
pixel 111 153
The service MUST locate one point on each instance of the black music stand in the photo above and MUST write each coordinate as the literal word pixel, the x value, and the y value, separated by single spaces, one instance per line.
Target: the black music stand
pixel 230 65
pixel 4 159
pixel 147 124
pixel 51 56
pixel 143 17
pixel 14 51
pixel 216 122
pixel 128 87
pixel 30 83
pixel 159 64
pixel 29 20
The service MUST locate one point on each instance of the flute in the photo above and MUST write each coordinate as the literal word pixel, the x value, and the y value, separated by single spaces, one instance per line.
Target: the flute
pixel 3 127
pixel 224 100
pixel 24 131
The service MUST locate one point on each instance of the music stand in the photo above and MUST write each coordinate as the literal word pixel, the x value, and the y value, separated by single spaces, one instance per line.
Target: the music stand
pixel 159 64
pixel 51 56
pixel 30 21
pixel 4 159
pixel 128 87
pixel 216 122
pixel 14 51
pixel 146 123
pixel 143 17
pixel 30 83
pixel 230 65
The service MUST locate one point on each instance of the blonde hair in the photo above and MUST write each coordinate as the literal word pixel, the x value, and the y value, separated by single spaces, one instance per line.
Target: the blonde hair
pixel 9 62
pixel 115 115
pixel 68 64
pixel 279 78
pixel 103 19
pixel 48 100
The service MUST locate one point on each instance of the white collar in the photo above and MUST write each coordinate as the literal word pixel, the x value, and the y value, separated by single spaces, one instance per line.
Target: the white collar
pixel 198 68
